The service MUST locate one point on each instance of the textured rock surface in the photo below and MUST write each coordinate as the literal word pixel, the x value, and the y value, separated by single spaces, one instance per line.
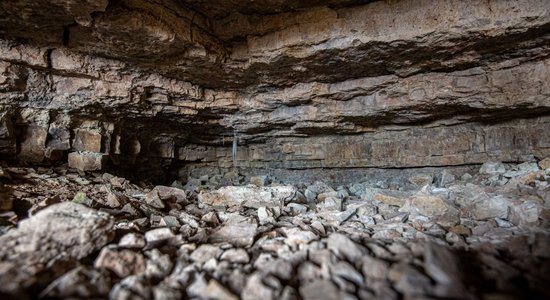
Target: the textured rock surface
pixel 308 85
pixel 56 236
pixel 371 249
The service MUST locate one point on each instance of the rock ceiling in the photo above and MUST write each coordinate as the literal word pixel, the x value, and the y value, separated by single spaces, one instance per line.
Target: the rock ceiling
pixel 291 77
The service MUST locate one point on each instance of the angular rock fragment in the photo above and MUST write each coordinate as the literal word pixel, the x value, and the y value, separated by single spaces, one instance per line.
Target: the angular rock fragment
pixel 87 161
pixel 254 197
pixel 239 234
pixel 122 262
pixel 61 232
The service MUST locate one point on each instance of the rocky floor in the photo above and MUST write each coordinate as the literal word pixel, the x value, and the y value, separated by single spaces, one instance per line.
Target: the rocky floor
pixel 436 236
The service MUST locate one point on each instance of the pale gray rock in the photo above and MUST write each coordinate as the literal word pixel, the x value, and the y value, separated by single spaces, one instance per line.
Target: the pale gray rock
pixel 61 232
pixel 256 289
pixel 122 262
pixel 132 287
pixel 81 282
pixel 374 268
pixel 488 208
pixel 249 196
pixel 319 289
pixel 205 252
pixel 236 255
pixel 342 246
pixel 239 234
pixel 159 235
pixel 492 168
pixel 259 181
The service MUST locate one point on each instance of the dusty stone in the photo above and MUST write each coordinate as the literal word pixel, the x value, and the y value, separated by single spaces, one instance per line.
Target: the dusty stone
pixel 525 214
pixel 254 197
pixel 493 207
pixel 87 161
pixel 374 268
pixel 343 246
pixel 319 289
pixel 86 140
pixel 132 240
pixel 205 252
pixel 491 168
pixel 81 282
pixel 296 237
pixel 159 235
pixel 545 163
pixel 259 181
pixel 432 206
pixel 122 262
pixel 238 255
pixel 64 231
pixel 238 234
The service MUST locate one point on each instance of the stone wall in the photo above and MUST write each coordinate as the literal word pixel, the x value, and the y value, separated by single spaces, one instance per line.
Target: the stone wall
pixel 335 84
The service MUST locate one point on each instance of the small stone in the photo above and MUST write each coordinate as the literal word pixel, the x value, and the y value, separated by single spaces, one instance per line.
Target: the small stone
pixel 262 180
pixel 205 252
pixel 332 203
pixel 310 195
pixel 432 206
pixel 81 198
pixel 545 163
pixel 169 221
pixel 159 265
pixel 330 194
pixel 238 234
pixel 256 289
pixel 158 235
pixel 492 168
pixel 522 169
pixel 265 215
pixel 421 179
pixel 87 161
pixel 214 290
pixel 81 282
pixel 211 218
pixel 461 230
pixel 319 289
pixel 374 268
pixel 297 209
pixel 408 280
pixel 249 196
pixel 296 237
pixel 132 240
pixel 342 246
pixel 121 262
pixel 236 255
pixel 525 214
pixel 493 207
pixel 445 178
pixel 152 198
pixel 348 272
pixel 186 218
pixel 390 200
pixel 388 234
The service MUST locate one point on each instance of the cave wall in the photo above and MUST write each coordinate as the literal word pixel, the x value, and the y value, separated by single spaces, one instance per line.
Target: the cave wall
pixel 332 85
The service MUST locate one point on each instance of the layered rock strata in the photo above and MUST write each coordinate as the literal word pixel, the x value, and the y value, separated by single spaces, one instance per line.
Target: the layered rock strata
pixel 320 84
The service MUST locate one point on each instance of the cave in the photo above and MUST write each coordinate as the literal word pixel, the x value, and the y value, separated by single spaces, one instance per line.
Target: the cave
pixel 242 149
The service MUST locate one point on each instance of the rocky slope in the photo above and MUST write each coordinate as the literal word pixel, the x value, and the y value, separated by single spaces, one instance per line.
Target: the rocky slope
pixel 483 235
pixel 296 86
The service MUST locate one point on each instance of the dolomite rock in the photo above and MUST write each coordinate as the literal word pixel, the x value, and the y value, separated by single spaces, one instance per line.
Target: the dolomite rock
pixel 61 232
pixel 87 161
pixel 249 196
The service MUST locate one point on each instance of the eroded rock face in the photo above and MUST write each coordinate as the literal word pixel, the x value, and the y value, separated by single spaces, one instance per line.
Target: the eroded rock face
pixel 318 84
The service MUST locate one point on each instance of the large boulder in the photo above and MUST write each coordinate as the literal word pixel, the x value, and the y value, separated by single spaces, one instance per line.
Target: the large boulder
pixel 49 241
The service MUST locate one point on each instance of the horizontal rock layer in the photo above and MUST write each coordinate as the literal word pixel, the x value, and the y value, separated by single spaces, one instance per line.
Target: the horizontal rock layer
pixel 316 84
